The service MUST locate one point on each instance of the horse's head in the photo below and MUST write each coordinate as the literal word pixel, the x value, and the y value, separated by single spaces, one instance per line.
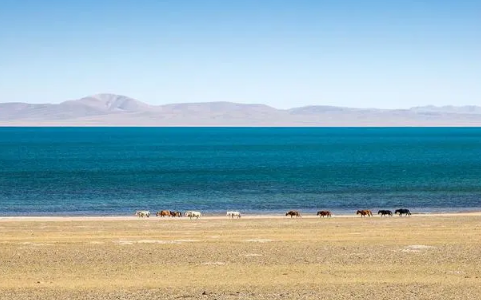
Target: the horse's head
pixel 358 212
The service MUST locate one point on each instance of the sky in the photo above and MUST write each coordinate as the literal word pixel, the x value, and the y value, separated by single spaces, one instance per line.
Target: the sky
pixel 371 53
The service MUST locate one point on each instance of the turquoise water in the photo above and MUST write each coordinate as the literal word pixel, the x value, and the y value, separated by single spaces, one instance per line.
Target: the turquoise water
pixel 114 171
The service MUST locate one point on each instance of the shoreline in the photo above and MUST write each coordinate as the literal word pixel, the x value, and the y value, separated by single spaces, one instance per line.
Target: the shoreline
pixel 223 217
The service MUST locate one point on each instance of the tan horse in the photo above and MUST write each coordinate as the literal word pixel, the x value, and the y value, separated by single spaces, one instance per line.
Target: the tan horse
pixel 163 213
pixel 364 213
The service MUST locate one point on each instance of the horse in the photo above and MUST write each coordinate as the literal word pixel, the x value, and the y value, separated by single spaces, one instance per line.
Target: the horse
pixel 324 213
pixel 163 213
pixel 383 212
pixel 192 214
pixel 233 214
pixel 364 213
pixel 402 211
pixel 174 214
pixel 293 213
pixel 142 213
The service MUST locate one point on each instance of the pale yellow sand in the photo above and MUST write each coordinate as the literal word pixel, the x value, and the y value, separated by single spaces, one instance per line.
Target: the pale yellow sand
pixel 257 257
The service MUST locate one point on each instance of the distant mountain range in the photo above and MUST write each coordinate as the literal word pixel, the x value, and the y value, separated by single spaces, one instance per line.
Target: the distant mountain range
pixel 115 110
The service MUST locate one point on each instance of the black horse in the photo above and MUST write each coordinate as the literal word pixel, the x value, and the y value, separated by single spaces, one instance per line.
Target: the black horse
pixel 402 211
pixel 384 212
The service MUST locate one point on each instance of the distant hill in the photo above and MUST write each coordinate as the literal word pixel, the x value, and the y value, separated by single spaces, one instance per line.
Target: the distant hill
pixel 470 109
pixel 116 110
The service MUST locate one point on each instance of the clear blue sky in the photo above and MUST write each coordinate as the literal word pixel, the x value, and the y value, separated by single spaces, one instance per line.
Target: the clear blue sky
pixel 372 53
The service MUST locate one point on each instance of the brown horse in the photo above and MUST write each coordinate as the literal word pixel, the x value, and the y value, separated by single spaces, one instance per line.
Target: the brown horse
pixel 364 213
pixel 174 214
pixel 293 213
pixel 163 213
pixel 324 213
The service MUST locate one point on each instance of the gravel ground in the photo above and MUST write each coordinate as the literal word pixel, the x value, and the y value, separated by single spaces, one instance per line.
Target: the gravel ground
pixel 422 257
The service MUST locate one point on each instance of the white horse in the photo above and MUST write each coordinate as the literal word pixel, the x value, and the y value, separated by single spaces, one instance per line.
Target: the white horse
pixel 233 214
pixel 192 214
pixel 142 213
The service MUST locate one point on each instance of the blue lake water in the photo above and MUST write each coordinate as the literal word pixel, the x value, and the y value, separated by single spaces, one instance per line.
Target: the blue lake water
pixel 115 171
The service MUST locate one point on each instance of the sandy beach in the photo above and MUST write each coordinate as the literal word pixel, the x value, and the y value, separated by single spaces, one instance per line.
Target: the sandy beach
pixel 425 256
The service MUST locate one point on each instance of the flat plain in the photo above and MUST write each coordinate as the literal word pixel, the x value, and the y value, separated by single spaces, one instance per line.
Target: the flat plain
pixel 348 257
